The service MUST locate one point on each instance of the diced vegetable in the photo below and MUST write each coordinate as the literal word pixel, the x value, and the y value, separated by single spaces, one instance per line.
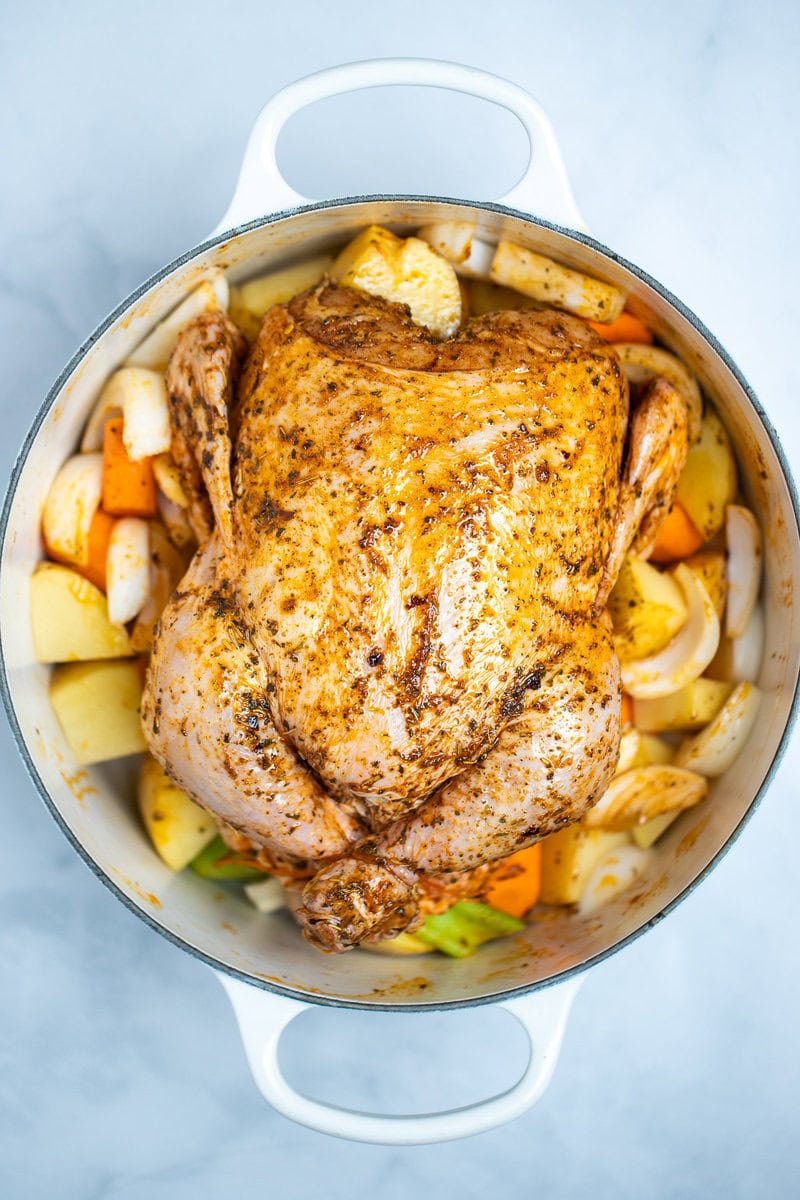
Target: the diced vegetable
pixel 69 618
pixel 740 658
pixel 717 746
pixel 643 793
pixel 451 239
pixel 488 297
pixel 97 706
pixel 95 568
pixel 648 834
pixel 711 566
pixel 643 363
pixel 178 828
pixel 547 280
pixel 629 745
pixel 267 895
pixel 625 709
pixel 691 707
pixel 615 872
pixel 176 521
pixel 139 397
pixel 72 501
pixel 708 482
pixel 456 241
pixel 405 270
pixel 128 569
pixel 743 537
pixel 145 411
pixel 653 750
pixel 218 861
pixel 687 655
pixel 515 887
pixel 167 567
pixel 168 480
pixel 129 488
pixel 677 537
pixel 646 607
pixel 404 943
pixel 626 328
pixel 568 858
pixel 466 926
pixel 250 301
pixel 155 350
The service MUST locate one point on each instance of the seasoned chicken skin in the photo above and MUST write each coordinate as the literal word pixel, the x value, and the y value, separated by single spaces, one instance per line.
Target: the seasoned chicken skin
pixel 391 659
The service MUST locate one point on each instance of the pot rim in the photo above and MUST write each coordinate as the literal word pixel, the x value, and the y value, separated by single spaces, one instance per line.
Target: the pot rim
pixel 5 690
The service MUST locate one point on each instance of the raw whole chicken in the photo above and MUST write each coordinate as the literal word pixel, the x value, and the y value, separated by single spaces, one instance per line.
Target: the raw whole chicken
pixel 390 658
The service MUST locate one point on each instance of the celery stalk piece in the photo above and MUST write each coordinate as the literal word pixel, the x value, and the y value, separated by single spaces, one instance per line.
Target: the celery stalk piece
pixel 218 861
pixel 465 926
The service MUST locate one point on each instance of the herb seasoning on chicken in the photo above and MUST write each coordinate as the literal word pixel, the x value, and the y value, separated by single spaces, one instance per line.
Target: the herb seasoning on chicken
pixel 390 659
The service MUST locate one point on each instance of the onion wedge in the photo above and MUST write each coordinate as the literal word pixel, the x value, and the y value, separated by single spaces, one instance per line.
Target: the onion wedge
pixel 687 655
pixel 642 363
pixel 717 746
pixel 456 241
pixel 643 793
pixel 72 501
pixel 167 567
pixel 740 658
pixel 156 348
pixel 743 537
pixel 128 569
pixel 615 871
pixel 140 397
pixel 547 280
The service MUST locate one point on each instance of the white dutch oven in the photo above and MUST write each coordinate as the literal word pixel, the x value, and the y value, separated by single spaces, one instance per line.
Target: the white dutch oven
pixel 269 972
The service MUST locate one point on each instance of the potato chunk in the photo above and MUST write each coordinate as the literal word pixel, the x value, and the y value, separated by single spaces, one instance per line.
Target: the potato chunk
pixel 405 270
pixel 486 297
pixel 710 566
pixel 691 707
pixel 708 482
pixel 403 943
pixel 646 835
pixel 647 608
pixel 251 300
pixel 69 618
pixel 97 706
pixel 179 829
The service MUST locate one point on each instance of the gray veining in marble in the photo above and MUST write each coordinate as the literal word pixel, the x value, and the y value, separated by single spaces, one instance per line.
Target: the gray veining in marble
pixel 121 1074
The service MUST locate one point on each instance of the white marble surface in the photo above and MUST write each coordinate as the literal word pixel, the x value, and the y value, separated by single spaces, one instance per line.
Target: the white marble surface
pixel 120 1071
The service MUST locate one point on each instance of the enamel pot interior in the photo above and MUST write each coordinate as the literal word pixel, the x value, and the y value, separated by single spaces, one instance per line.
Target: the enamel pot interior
pixel 96 806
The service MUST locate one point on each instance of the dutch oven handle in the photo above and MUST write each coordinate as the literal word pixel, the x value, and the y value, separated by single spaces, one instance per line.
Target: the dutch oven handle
pixel 543 191
pixel 263 1016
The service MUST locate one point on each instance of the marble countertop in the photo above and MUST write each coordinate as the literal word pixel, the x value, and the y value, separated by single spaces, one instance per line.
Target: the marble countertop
pixel 121 1073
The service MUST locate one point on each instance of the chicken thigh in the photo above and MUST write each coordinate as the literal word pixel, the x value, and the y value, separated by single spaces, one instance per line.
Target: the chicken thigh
pixel 390 659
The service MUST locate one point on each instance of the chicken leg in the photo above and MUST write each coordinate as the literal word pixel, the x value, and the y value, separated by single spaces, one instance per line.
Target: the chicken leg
pixel 553 760
pixel 205 708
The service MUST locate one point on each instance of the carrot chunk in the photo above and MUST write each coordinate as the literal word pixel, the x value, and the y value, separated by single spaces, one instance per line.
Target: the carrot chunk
pixel 99 537
pixel 626 328
pixel 129 488
pixel 626 712
pixel 515 887
pixel 677 538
